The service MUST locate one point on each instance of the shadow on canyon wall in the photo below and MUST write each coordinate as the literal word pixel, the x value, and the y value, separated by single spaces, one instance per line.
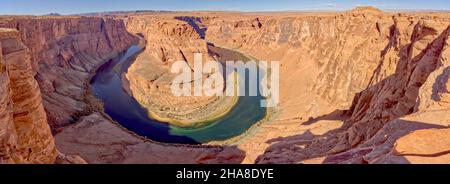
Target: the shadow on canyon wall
pixel 361 121
pixel 304 146
pixel 440 81
pixel 383 147
pixel 195 22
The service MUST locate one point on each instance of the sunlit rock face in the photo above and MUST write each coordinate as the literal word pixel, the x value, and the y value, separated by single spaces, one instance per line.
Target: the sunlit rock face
pixel 325 58
pixel 63 53
pixel 52 56
pixel 363 67
pixel 362 86
pixel 7 132
pixel 414 49
pixel 24 133
pixel 169 40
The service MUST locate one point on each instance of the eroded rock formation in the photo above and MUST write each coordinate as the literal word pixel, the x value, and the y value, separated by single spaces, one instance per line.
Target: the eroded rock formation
pixel 150 78
pixel 98 140
pixel 415 119
pixel 64 51
pixel 60 53
pixel 415 47
pixel 362 86
pixel 25 135
pixel 330 57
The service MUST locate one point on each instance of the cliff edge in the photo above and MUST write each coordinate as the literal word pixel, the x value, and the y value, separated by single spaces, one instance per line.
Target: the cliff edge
pixel 25 135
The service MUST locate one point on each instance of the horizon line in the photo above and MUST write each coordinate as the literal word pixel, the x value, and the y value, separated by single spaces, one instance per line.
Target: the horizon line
pixel 234 11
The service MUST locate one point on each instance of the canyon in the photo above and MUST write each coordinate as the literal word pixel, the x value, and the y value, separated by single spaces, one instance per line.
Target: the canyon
pixel 25 134
pixel 150 77
pixel 360 86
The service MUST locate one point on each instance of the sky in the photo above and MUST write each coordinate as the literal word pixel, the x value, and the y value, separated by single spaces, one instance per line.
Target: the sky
pixel 65 7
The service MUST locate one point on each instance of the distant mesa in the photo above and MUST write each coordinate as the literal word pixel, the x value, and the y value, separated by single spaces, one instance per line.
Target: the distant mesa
pixel 365 9
pixel 53 14
pixel 114 13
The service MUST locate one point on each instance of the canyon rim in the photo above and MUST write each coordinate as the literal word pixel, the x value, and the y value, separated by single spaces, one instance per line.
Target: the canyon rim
pixel 360 86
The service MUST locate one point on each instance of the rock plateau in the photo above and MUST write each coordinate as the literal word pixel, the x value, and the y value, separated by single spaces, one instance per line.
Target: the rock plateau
pixel 361 86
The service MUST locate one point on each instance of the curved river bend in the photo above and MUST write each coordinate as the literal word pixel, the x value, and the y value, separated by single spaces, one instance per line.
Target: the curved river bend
pixel 124 109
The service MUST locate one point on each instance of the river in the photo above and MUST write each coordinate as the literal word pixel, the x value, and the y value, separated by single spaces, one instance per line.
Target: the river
pixel 125 110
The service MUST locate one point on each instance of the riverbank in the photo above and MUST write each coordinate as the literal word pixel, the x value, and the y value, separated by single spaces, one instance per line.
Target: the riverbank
pixel 202 122
pixel 124 109
pixel 150 84
pixel 271 113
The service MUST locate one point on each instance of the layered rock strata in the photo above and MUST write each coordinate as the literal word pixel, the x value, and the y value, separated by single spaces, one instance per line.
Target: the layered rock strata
pixel 98 140
pixel 389 56
pixel 422 135
pixel 59 53
pixel 25 136
pixel 64 51
pixel 150 77
pixel 362 86
pixel 330 57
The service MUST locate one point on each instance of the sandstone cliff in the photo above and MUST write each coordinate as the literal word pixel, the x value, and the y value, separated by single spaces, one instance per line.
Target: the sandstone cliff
pixel 97 140
pixel 388 56
pixel 60 52
pixel 356 86
pixel 25 136
pixel 362 86
pixel 170 40
pixel 328 58
pixel 64 50
pixel 419 90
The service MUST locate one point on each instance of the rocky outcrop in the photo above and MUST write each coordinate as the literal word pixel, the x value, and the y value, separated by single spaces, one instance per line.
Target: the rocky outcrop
pixel 100 141
pixel 64 50
pixel 330 57
pixel 416 48
pixel 25 136
pixel 53 56
pixel 425 146
pixel 397 95
pixel 7 131
pixel 420 134
pixel 150 78
pixel 362 86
